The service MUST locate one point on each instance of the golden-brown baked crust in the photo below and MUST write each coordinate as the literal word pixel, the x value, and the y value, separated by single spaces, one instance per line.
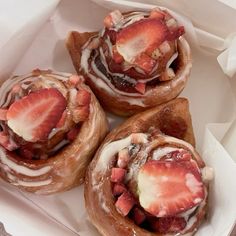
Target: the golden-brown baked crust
pixel 67 168
pixel 100 203
pixel 119 104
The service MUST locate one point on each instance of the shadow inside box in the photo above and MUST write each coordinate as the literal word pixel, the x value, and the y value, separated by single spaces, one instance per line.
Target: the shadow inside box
pixel 86 13
pixel 3 231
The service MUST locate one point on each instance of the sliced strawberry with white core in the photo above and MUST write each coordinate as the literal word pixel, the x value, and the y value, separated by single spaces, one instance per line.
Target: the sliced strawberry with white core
pixel 140 87
pixel 167 188
pixel 35 115
pixel 139 37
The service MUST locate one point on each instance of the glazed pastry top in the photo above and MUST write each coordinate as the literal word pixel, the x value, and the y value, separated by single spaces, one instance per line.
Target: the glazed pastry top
pixel 41 113
pixel 158 181
pixel 134 51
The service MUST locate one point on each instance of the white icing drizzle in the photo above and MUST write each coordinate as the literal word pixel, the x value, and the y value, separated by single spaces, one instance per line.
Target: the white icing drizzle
pixel 110 149
pixel 33 183
pixel 160 152
pixel 174 56
pixel 22 169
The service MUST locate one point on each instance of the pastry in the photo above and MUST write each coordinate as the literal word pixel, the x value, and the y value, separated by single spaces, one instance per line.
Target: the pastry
pixel 147 178
pixel 50 126
pixel 137 61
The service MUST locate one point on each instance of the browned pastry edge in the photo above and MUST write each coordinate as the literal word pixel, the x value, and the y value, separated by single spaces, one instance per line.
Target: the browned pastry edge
pixel 68 167
pixel 113 223
pixel 116 104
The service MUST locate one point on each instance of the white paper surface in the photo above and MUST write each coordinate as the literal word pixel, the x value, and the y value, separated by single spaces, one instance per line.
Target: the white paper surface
pixel 20 22
pixel 208 91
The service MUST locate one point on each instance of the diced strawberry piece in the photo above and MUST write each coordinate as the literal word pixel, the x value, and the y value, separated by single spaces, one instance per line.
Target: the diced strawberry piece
pixel 3 114
pixel 73 133
pixel 35 115
pixel 118 189
pixel 108 23
pixel 179 155
pixel 80 114
pixel 139 37
pixel 111 34
pixel 75 79
pixel 176 33
pixel 123 158
pixel 117 175
pixel 157 14
pixel 140 87
pixel 138 216
pixel 178 224
pixel 145 62
pixel 125 203
pixel 83 97
pixel 116 56
pixel 62 120
pixel 7 142
pixel 112 19
pixel 168 188
pixel 168 225
pixel 26 153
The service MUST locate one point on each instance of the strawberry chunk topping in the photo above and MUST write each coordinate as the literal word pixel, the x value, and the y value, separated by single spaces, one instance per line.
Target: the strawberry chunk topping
pixel 125 203
pixel 140 87
pixel 118 189
pixel 138 215
pixel 3 114
pixel 168 224
pixel 6 142
pixel 117 175
pixel 35 115
pixel 139 37
pixel 167 188
pixel 83 98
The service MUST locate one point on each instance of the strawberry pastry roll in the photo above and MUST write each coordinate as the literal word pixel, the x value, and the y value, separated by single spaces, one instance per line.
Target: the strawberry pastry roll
pixel 137 61
pixel 147 178
pixel 50 127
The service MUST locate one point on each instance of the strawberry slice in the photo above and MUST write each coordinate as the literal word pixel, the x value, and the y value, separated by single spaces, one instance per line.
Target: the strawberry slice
pixel 140 87
pixel 83 97
pixel 167 188
pixel 116 55
pixel 139 37
pixel 35 115
pixel 62 120
pixel 125 203
pixel 118 189
pixel 117 175
pixel 3 114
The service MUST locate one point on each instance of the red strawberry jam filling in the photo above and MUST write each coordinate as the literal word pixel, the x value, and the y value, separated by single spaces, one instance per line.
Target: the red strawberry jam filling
pixel 135 51
pixel 41 114
pixel 160 189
